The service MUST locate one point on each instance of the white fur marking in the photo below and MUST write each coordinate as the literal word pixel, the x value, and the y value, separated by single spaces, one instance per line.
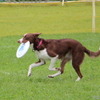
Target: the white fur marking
pixel 25 34
pixel 54 75
pixel 53 61
pixel 78 79
pixel 21 40
pixel 34 65
pixel 42 54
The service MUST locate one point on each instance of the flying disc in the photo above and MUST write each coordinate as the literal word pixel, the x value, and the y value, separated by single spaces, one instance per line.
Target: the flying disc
pixel 22 49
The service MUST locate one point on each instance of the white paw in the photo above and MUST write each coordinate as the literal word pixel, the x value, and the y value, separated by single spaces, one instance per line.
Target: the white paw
pixel 50 76
pixel 29 74
pixel 78 79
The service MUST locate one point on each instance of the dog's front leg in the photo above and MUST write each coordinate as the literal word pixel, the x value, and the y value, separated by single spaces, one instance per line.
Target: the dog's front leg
pixel 39 63
pixel 60 70
pixel 52 63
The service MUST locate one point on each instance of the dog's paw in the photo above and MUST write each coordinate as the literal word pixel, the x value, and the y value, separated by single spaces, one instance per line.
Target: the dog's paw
pixel 78 79
pixel 50 76
pixel 29 74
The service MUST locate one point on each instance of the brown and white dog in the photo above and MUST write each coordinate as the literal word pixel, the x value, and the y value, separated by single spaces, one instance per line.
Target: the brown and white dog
pixel 53 49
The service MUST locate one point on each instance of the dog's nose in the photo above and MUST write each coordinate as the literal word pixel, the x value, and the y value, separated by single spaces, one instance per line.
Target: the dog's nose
pixel 18 41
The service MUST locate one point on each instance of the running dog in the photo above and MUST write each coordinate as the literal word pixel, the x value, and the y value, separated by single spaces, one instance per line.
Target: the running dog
pixel 54 49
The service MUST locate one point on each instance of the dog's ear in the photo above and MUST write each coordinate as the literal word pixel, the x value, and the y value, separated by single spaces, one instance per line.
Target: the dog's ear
pixel 36 34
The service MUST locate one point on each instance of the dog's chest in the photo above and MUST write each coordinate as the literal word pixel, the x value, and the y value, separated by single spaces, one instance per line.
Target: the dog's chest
pixel 42 54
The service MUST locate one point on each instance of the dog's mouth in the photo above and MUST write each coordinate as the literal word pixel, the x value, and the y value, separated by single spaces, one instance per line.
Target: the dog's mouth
pixel 22 41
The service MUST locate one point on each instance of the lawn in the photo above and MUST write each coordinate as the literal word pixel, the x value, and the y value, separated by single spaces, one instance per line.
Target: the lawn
pixel 72 18
pixel 15 85
pixel 16 20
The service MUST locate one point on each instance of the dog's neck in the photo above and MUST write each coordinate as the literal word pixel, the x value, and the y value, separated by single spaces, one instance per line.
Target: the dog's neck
pixel 39 44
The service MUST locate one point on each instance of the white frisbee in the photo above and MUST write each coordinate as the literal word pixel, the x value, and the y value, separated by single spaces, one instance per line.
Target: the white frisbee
pixel 22 49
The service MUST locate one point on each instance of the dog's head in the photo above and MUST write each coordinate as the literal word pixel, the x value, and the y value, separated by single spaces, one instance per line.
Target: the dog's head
pixel 29 37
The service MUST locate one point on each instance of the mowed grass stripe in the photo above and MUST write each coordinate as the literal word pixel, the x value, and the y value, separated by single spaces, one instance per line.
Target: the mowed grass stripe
pixel 47 19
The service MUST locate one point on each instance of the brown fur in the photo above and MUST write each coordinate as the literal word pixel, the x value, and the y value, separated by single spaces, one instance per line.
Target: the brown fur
pixel 66 49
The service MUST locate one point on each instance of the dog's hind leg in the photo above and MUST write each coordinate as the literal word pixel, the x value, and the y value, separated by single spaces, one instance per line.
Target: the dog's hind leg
pixel 77 69
pixel 53 61
pixel 39 63
pixel 61 70
pixel 54 75
pixel 76 62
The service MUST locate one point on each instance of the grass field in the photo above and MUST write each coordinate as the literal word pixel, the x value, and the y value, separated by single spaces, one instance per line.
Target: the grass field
pixel 72 18
pixel 15 85
pixel 17 20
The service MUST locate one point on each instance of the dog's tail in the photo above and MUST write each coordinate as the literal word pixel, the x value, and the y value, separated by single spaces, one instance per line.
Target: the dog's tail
pixel 91 53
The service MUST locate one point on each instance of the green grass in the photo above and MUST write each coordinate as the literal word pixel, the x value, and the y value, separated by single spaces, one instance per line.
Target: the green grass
pixel 47 18
pixel 15 85
pixel 57 22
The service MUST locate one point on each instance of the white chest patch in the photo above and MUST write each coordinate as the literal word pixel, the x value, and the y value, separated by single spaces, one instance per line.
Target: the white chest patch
pixel 42 54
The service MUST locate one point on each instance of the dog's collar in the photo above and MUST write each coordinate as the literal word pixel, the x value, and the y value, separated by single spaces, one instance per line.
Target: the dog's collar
pixel 40 43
